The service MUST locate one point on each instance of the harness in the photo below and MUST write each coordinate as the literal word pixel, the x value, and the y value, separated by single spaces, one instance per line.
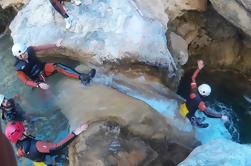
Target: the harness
pixel 192 104
pixel 28 146
pixel 33 68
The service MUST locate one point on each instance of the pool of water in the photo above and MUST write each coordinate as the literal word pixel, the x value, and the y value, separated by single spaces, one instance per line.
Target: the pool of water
pixel 49 123
pixel 230 94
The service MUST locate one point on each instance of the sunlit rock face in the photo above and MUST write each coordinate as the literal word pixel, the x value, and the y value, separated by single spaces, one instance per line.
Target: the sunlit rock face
pixel 219 152
pixel 107 143
pixel 6 3
pixel 105 30
pixel 164 10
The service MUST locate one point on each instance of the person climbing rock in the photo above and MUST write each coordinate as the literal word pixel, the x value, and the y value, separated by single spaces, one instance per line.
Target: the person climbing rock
pixel 36 150
pixel 58 6
pixel 194 101
pixel 11 111
pixel 33 72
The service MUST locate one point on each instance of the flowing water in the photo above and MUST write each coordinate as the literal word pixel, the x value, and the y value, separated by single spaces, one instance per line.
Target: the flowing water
pixel 51 124
pixel 230 95
pixel 67 97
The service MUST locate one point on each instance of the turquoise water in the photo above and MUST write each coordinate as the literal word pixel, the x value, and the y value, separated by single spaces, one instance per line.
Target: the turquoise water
pixel 48 122
pixel 228 89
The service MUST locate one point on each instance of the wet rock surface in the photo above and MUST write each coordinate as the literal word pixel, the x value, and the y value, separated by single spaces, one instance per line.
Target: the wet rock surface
pixel 107 143
pixel 6 16
pixel 101 31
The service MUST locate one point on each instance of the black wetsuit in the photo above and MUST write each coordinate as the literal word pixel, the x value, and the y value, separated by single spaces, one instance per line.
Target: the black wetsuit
pixel 34 68
pixel 13 112
pixel 32 149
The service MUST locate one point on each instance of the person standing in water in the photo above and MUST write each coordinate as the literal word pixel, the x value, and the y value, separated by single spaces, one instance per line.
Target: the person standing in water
pixel 194 101
pixel 32 72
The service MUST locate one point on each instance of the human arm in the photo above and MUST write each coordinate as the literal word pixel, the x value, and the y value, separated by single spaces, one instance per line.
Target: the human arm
pixel 48 46
pixel 200 64
pixel 202 107
pixel 45 147
pixel 22 76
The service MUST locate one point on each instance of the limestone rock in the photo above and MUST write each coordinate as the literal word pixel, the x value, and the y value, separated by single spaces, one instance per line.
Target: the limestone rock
pixel 164 10
pixel 104 144
pixel 107 143
pixel 103 30
pixel 235 13
pixel 219 152
pixel 179 48
pixel 90 105
pixel 246 4
pixel 6 3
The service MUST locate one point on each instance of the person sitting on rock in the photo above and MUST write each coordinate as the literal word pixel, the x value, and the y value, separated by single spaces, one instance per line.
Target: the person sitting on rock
pixel 32 72
pixel 36 150
pixel 58 6
pixel 11 111
pixel 194 101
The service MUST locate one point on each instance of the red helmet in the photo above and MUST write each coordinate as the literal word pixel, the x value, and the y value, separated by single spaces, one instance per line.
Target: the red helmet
pixel 14 131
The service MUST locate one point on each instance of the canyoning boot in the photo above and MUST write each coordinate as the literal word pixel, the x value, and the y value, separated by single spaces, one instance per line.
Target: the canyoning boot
pixel 86 78
pixel 202 125
pixel 200 120
pixel 197 122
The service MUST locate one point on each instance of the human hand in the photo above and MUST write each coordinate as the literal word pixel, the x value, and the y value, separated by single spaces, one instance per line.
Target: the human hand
pixel 59 43
pixel 224 118
pixel 200 64
pixel 80 129
pixel 43 85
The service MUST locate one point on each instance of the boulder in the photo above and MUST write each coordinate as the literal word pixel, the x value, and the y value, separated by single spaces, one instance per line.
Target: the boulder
pixel 6 3
pixel 105 143
pixel 102 30
pixel 219 152
pixel 235 13
pixel 164 10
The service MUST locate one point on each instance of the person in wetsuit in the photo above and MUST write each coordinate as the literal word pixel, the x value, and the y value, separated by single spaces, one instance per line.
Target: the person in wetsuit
pixel 11 111
pixel 194 101
pixel 32 72
pixel 36 150
pixel 58 6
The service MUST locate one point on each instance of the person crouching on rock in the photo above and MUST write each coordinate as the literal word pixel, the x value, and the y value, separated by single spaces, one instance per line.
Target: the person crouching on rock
pixel 194 101
pixel 58 6
pixel 33 72
pixel 36 150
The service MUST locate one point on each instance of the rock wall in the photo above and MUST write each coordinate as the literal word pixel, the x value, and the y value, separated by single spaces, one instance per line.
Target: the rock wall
pixel 17 3
pixel 210 37
pixel 236 12
pixel 103 31
pixel 6 16
pixel 214 153
pixel 106 143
